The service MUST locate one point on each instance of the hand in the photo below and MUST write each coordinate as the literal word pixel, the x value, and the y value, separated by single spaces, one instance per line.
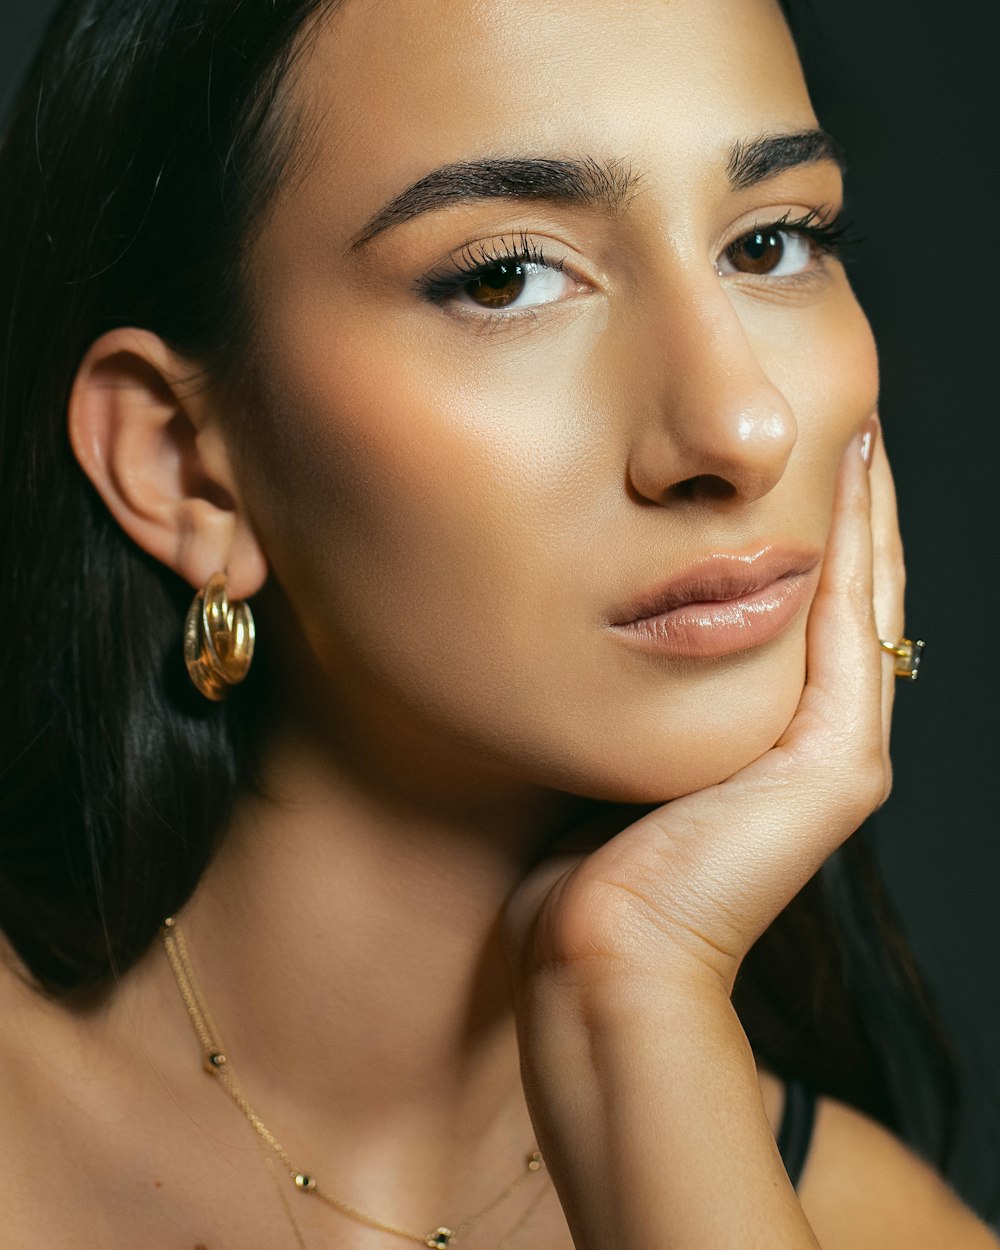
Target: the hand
pixel 688 888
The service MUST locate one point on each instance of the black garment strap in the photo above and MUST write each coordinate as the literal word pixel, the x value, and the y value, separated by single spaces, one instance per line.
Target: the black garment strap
pixel 795 1130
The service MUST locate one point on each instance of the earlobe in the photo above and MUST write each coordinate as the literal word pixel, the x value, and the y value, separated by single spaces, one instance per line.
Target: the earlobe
pixel 143 437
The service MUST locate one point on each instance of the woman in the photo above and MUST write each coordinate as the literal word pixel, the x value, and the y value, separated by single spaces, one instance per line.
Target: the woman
pixel 502 358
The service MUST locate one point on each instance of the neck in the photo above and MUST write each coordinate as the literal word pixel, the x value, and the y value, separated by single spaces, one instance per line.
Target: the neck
pixel 347 947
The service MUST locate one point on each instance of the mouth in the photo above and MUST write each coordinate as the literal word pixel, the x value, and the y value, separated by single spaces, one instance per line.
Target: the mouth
pixel 721 605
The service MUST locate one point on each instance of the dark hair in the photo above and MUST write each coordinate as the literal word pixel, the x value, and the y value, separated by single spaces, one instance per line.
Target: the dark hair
pixel 141 154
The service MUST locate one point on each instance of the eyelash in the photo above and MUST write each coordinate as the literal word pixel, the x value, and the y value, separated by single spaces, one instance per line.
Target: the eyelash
pixel 830 235
pixel 476 260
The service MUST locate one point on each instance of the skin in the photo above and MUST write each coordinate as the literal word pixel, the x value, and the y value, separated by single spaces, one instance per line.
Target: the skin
pixel 436 516
pixel 522 428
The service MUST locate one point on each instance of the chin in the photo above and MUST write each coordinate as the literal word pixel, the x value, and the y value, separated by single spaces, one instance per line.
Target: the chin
pixel 692 749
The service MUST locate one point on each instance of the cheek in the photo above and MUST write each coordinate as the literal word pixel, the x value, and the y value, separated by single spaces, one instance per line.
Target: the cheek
pixel 398 455
pixel 419 512
pixel 448 532
pixel 826 365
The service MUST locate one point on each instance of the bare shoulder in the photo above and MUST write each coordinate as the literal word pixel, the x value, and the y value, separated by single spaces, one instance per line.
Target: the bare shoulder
pixel 20 1092
pixel 863 1190
pixel 39 1117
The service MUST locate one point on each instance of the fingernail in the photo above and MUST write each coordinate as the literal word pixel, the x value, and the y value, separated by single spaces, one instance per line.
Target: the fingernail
pixel 869 437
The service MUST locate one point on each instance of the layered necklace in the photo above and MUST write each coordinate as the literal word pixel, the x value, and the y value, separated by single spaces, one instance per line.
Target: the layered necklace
pixel 216 1061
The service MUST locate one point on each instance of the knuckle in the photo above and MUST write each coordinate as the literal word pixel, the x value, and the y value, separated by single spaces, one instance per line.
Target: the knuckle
pixel 887 780
pixel 874 783
pixel 865 777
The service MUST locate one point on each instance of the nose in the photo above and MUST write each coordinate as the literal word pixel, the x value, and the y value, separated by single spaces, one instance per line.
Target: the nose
pixel 713 425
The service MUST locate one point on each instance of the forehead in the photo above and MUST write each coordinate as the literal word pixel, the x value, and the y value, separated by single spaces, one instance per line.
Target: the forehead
pixel 393 88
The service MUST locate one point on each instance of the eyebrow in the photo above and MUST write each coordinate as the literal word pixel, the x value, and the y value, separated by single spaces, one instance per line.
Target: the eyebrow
pixel 756 160
pixel 608 184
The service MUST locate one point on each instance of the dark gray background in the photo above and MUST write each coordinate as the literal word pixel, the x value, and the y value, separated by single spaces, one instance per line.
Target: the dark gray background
pixel 911 90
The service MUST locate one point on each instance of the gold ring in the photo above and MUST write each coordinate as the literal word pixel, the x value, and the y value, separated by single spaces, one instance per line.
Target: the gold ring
pixel 908 653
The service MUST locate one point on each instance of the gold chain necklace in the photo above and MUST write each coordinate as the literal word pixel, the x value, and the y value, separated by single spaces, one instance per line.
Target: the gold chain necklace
pixel 300 1241
pixel 216 1061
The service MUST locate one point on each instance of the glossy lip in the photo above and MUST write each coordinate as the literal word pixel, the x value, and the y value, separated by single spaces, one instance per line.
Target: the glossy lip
pixel 721 605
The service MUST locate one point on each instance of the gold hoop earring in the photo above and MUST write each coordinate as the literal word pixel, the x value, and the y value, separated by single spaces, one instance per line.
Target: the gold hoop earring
pixel 218 639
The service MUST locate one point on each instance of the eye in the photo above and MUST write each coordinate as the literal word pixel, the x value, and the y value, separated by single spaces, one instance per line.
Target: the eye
pixel 503 277
pixel 512 283
pixel 774 251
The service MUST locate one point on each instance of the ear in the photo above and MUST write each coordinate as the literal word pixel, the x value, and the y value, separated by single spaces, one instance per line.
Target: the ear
pixel 152 445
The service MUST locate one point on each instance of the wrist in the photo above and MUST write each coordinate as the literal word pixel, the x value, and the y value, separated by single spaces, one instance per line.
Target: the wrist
pixel 638 1092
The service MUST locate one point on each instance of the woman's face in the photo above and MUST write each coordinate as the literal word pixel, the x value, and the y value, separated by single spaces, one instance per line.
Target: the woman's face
pixel 463 481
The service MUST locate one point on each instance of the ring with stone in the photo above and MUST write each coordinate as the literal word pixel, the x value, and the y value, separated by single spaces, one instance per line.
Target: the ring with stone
pixel 907 653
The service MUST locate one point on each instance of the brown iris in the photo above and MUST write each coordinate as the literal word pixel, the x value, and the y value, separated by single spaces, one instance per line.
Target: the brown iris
pixel 498 286
pixel 759 252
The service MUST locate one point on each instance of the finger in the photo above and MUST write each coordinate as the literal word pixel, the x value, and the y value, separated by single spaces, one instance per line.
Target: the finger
pixel 889 577
pixel 713 868
pixel 843 660
pixel 831 755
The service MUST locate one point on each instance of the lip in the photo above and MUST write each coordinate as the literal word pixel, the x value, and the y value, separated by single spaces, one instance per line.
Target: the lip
pixel 721 605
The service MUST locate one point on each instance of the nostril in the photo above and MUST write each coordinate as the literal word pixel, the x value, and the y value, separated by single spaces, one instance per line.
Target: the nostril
pixel 704 486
